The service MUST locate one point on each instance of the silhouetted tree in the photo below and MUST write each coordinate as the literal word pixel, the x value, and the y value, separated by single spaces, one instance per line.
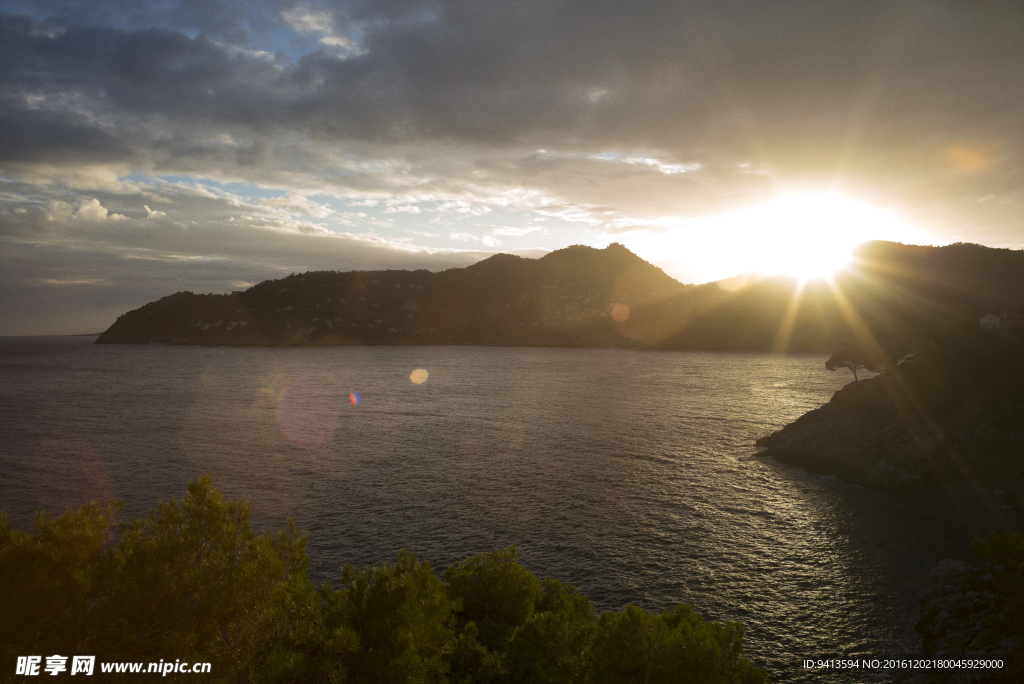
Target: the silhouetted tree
pixel 854 358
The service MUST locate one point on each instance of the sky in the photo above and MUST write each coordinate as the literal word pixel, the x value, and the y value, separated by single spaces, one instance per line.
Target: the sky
pixel 207 145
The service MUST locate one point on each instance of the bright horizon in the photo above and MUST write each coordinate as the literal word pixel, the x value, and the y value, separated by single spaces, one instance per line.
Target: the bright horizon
pixel 165 150
pixel 782 236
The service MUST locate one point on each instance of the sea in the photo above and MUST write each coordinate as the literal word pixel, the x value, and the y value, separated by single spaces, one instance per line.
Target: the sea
pixel 630 474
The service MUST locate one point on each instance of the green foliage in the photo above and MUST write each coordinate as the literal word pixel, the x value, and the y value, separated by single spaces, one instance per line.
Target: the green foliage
pixel 403 618
pixel 471 661
pixel 553 645
pixel 47 579
pixel 674 647
pixel 193 581
pixel 303 646
pixel 495 591
pixel 630 646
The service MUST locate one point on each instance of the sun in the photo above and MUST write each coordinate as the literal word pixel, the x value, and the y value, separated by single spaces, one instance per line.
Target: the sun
pixel 806 236
pixel 801 235
pixel 812 236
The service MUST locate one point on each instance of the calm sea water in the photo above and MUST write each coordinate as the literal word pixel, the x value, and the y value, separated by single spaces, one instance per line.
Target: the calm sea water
pixel 628 474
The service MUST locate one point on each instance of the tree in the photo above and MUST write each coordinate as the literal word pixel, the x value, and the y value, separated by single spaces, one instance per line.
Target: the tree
pixel 402 617
pixel 48 580
pixel 195 580
pixel 192 579
pixel 676 647
pixel 495 591
pixel 853 358
pixel 495 594
pixel 1005 553
pixel 553 645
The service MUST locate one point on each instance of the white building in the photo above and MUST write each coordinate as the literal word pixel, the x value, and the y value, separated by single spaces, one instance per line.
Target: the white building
pixel 990 321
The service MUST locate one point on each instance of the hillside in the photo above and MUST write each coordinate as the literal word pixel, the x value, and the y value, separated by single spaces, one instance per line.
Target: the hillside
pixel 565 298
pixel 585 297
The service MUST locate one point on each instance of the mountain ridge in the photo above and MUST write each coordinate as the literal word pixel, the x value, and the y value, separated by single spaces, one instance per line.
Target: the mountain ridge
pixel 585 297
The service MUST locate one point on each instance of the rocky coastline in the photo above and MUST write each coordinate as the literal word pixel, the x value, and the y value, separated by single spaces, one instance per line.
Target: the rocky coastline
pixel 877 433
pixel 954 414
pixel 956 607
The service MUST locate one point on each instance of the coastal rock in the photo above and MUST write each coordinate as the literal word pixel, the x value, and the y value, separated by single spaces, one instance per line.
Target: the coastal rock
pixel 875 433
pixel 857 437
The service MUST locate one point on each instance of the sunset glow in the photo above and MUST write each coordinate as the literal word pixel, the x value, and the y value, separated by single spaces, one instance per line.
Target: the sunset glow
pixel 802 235
pixel 812 235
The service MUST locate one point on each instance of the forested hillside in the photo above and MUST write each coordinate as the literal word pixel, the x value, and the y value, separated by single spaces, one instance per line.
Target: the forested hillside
pixel 585 297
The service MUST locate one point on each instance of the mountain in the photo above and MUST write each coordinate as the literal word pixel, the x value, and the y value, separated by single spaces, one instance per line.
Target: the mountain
pixel 585 297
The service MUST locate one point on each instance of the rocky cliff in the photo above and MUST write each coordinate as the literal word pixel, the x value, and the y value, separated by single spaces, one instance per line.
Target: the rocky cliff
pixel 954 413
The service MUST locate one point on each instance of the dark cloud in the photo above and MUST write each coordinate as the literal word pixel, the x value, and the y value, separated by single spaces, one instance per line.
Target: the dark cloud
pixel 802 86
pixel 752 78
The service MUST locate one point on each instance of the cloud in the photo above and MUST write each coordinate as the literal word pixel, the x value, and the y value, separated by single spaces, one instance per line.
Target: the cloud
pixel 402 209
pixel 452 104
pixel 514 232
pixel 298 203
pixel 346 44
pixel 461 207
pixel 89 210
pixel 700 89
pixel 463 236
pixel 324 24
pixel 306 19
pixel 154 214
pixel 80 177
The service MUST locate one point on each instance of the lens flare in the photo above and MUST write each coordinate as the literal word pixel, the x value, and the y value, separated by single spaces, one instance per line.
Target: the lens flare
pixel 620 312
pixel 307 414
pixel 354 398
pixel 419 376
pixel 67 471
